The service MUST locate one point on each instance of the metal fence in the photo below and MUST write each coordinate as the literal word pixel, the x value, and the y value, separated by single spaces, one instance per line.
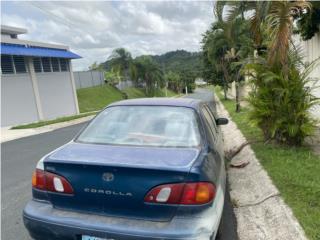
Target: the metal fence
pixel 88 79
pixel 124 84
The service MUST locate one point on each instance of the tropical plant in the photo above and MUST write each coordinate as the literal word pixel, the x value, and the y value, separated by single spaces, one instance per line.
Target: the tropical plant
pixel 120 60
pixel 281 100
pixel 309 21
pixel 112 77
pixel 258 12
pixel 95 66
pixel 281 97
pixel 280 26
pixel 174 81
pixel 149 72
pixel 214 47
pixel 225 43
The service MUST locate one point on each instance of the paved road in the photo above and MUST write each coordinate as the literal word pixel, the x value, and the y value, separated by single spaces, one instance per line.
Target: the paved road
pixel 19 158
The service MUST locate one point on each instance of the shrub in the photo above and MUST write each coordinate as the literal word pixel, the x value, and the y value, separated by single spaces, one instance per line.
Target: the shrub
pixel 281 101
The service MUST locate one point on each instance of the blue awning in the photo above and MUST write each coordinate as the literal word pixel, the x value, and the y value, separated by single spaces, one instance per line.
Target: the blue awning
pixel 24 50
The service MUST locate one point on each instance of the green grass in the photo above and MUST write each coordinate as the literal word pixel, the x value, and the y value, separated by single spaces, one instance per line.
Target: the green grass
pixel 96 98
pixel 57 120
pixel 162 93
pixel 140 93
pixel 134 92
pixel 295 171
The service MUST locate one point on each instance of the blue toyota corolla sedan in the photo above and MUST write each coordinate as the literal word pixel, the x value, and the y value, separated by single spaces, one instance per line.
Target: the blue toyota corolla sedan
pixel 141 169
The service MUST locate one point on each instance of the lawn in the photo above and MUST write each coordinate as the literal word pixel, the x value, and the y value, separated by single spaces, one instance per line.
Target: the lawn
pixel 295 171
pixel 96 98
pixel 140 93
pixel 134 92
pixel 57 120
pixel 162 93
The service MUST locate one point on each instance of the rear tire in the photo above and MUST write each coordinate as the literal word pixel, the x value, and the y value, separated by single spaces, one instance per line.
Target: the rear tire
pixel 220 230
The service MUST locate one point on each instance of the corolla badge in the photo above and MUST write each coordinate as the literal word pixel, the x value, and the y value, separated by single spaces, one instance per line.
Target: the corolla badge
pixel 108 192
pixel 108 177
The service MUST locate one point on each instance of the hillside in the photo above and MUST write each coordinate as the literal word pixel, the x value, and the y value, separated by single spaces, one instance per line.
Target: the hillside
pixel 181 61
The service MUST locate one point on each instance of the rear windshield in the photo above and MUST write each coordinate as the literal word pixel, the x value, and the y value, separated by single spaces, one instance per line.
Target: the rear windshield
pixel 144 126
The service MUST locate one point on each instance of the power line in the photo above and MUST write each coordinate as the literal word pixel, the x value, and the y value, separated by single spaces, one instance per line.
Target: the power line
pixel 64 21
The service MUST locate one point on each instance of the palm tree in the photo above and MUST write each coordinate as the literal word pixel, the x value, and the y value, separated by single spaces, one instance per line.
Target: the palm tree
pixel 234 31
pixel 259 11
pixel 280 25
pixel 120 61
pixel 215 45
pixel 274 16
pixel 149 72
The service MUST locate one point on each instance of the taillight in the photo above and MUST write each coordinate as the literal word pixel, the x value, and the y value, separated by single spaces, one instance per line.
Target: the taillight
pixel 182 193
pixel 50 182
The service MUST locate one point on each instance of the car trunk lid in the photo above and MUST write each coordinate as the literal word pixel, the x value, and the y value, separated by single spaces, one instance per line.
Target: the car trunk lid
pixel 113 180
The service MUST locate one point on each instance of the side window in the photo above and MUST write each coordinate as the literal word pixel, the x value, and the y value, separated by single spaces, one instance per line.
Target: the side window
pixel 209 123
pixel 7 64
pixel 63 65
pixel 46 64
pixel 37 64
pixel 19 64
pixel 213 118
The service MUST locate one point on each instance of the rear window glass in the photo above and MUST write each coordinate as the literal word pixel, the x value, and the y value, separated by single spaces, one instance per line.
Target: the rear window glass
pixel 144 126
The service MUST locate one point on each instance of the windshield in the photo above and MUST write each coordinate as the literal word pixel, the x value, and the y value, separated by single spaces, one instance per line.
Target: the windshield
pixel 144 126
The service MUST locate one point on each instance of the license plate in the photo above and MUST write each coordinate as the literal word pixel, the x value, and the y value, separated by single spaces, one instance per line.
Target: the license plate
pixel 85 237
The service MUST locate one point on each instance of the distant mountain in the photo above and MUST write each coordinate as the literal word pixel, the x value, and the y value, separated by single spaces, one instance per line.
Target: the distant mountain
pixel 179 61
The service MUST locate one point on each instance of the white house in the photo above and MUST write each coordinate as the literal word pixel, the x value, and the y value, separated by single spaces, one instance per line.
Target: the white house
pixel 311 49
pixel 37 81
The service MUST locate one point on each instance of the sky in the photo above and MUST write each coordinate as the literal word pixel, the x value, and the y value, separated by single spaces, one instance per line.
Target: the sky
pixel 94 29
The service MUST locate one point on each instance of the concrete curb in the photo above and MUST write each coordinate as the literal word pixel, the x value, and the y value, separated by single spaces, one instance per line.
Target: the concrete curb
pixel 8 134
pixel 260 211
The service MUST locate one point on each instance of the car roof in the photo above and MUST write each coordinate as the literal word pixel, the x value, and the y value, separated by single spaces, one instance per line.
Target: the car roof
pixel 175 102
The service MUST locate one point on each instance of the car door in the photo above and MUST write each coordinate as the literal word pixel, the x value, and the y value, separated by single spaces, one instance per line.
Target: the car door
pixel 214 155
pixel 217 132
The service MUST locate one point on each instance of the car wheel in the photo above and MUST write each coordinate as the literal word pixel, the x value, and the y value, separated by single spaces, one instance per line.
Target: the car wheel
pixel 220 230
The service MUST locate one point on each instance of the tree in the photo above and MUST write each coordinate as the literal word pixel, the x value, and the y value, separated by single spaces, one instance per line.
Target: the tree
pixel 281 98
pixel 214 47
pixel 280 25
pixel 309 21
pixel 112 77
pixel 149 72
pixel 95 66
pixel 174 81
pixel 120 61
pixel 223 39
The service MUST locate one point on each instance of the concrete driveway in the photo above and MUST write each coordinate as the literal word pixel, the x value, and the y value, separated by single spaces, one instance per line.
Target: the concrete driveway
pixel 19 158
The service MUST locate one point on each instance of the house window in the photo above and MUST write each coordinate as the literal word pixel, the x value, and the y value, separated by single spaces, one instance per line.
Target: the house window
pixel 55 64
pixel 46 65
pixel 13 64
pixel 63 65
pixel 37 64
pixel 19 64
pixel 6 64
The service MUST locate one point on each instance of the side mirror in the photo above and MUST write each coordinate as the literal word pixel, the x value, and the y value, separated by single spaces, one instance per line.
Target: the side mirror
pixel 222 121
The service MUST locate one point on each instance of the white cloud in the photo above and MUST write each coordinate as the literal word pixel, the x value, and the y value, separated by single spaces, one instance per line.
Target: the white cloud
pixel 93 29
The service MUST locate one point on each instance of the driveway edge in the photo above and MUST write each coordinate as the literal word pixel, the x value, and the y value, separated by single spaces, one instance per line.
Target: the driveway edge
pixel 8 134
pixel 259 208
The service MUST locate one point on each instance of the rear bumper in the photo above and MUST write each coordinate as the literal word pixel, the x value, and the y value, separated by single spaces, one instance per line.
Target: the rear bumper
pixel 45 222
